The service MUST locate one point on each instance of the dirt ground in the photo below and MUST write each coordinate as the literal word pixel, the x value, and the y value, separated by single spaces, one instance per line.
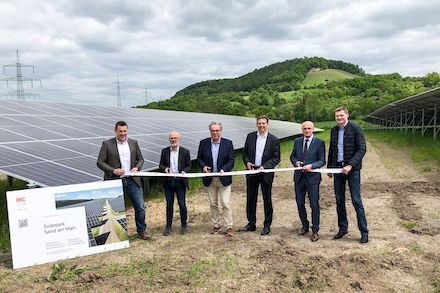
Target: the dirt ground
pixel 403 255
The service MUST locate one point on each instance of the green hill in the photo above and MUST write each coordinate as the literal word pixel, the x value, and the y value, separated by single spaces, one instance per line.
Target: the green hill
pixel 326 75
pixel 289 91
pixel 282 76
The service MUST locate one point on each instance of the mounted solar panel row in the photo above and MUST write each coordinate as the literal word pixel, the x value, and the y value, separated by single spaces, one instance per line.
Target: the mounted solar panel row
pixel 53 144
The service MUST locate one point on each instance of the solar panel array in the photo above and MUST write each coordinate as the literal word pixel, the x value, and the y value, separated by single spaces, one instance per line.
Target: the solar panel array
pixel 51 144
pixel 94 210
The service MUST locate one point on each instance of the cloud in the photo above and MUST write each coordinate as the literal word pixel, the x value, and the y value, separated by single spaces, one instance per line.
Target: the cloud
pixel 80 47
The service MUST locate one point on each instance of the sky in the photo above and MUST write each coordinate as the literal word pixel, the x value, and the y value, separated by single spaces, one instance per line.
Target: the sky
pixel 90 194
pixel 80 48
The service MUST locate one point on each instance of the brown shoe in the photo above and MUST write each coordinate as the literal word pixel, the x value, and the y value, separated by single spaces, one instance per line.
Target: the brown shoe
pixel 144 235
pixel 229 232
pixel 216 230
pixel 314 237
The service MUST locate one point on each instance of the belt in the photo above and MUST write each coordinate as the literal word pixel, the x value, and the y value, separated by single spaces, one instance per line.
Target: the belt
pixel 340 164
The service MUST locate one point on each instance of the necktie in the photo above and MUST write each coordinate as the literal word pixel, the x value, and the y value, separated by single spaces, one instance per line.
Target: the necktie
pixel 306 146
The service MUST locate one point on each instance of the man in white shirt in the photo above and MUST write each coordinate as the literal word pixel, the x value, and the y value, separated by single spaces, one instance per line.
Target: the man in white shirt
pixel 120 155
pixel 175 160
pixel 261 151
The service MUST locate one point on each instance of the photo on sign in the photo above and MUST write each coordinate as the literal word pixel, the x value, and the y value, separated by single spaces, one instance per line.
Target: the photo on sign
pixel 105 212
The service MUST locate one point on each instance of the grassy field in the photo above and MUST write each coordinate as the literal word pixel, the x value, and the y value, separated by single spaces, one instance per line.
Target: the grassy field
pixel 4 227
pixel 315 78
pixel 420 148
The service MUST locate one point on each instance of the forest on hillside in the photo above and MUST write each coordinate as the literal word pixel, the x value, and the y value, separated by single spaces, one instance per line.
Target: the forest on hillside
pixel 277 90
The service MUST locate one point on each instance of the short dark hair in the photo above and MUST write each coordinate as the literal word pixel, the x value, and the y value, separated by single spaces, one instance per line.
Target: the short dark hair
pixel 341 108
pixel 263 117
pixel 120 123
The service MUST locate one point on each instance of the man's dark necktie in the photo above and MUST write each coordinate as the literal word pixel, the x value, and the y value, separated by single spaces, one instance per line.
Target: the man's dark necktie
pixel 306 146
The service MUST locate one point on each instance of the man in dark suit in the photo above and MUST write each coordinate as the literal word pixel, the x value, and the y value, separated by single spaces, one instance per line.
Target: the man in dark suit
pixel 347 148
pixel 175 159
pixel 309 153
pixel 216 154
pixel 261 151
pixel 122 155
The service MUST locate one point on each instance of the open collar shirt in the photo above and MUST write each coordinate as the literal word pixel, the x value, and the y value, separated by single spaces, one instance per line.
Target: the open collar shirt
pixel 124 154
pixel 215 147
pixel 174 160
pixel 259 149
pixel 341 131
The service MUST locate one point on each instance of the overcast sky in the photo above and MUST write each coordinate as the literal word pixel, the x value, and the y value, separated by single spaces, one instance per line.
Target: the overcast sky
pixel 79 47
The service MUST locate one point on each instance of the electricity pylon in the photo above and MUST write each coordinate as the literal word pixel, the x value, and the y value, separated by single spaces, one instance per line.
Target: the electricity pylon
pixel 118 92
pixel 19 78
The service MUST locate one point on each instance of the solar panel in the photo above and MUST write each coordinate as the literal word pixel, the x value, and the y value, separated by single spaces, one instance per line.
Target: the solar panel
pixel 52 144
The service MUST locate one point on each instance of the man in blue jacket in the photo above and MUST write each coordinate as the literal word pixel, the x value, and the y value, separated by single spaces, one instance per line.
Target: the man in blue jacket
pixel 216 154
pixel 347 148
pixel 309 153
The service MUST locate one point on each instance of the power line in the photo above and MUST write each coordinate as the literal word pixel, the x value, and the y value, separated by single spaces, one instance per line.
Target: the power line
pixel 118 92
pixel 19 79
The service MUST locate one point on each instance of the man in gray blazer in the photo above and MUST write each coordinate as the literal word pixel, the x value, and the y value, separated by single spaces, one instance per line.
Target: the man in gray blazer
pixel 261 151
pixel 121 155
pixel 309 153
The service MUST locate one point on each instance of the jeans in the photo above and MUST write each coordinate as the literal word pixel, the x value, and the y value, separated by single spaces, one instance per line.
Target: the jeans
pixel 136 196
pixel 178 187
pixel 354 183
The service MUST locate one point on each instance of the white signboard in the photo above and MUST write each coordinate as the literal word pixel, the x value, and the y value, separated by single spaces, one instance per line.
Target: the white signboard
pixel 53 223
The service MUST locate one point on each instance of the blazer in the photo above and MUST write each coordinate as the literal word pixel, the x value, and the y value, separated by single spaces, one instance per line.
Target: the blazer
pixel 184 163
pixel 354 146
pixel 108 158
pixel 271 154
pixel 315 156
pixel 225 160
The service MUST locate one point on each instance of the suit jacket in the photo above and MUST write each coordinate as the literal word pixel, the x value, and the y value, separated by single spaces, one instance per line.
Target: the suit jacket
pixel 184 163
pixel 271 154
pixel 225 160
pixel 315 156
pixel 354 146
pixel 108 158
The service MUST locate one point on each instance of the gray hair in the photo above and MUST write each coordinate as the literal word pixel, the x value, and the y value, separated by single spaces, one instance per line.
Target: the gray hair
pixel 215 123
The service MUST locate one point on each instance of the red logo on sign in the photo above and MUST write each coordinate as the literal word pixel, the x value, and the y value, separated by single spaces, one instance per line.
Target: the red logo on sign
pixel 20 199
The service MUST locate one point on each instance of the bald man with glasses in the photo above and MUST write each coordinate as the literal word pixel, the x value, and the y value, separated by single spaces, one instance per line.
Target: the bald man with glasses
pixel 175 160
pixel 308 153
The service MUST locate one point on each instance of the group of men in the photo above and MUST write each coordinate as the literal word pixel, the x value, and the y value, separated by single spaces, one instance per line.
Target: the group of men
pixel 121 155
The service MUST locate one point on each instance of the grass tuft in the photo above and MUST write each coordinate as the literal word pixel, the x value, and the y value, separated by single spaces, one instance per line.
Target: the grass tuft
pixel 409 225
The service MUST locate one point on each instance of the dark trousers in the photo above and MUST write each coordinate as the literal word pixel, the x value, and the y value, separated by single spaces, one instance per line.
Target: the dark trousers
pixel 252 183
pixel 136 196
pixel 354 183
pixel 302 186
pixel 177 187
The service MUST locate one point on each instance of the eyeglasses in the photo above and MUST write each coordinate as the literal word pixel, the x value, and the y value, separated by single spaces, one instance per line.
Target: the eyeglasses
pixel 215 130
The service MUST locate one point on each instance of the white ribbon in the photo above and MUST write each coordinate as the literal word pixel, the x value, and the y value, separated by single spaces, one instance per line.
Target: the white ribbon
pixel 232 173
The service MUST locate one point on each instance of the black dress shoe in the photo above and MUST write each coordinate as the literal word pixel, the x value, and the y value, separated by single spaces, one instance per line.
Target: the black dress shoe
pixel 265 231
pixel 247 228
pixel 364 238
pixel 340 235
pixel 167 231
pixel 303 231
